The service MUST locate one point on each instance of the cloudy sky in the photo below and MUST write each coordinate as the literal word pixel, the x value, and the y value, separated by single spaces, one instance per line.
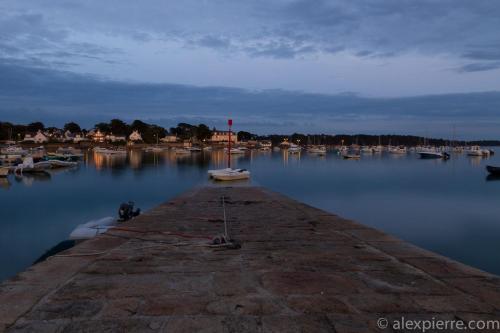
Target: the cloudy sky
pixel 327 66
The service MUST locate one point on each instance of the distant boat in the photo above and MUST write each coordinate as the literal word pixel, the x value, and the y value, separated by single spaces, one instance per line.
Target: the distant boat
pixel 477 151
pixel 294 149
pixel 318 150
pixel 351 156
pixel 29 166
pixel 182 151
pixel 194 149
pixel 13 150
pixel 493 170
pixel 398 150
pixel 235 151
pixel 65 154
pixel 154 149
pixel 433 155
pixel 109 151
pixel 366 150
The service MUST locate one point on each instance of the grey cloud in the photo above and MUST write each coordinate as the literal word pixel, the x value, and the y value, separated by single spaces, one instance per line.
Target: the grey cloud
pixel 27 94
pixel 213 42
pixel 33 39
pixel 378 28
pixel 479 67
pixel 279 50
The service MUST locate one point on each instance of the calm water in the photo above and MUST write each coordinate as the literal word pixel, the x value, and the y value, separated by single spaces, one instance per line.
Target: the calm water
pixel 446 206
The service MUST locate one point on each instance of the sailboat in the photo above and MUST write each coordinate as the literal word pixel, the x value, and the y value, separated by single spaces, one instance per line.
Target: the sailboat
pixel 229 173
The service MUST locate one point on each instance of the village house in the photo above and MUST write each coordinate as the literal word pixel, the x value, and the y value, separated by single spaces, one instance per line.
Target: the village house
pixel 169 139
pixel 39 137
pixel 96 136
pixel 79 138
pixel 115 138
pixel 135 136
pixel 223 136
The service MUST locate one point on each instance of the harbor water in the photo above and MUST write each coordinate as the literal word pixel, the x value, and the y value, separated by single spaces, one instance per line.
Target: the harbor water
pixel 449 207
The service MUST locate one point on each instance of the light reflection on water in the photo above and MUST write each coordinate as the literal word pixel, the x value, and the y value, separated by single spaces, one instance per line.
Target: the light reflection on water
pixel 446 206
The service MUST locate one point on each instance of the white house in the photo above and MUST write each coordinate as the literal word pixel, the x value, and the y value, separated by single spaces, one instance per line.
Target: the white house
pixel 115 138
pixel 169 138
pixel 223 136
pixel 68 136
pixel 135 136
pixel 79 138
pixel 39 137
pixel 97 136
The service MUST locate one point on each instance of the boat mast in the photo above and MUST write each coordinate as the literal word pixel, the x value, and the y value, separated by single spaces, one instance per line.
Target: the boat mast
pixel 229 123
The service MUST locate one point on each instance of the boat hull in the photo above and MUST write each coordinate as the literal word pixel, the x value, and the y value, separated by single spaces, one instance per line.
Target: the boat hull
pixel 231 176
pixel 493 170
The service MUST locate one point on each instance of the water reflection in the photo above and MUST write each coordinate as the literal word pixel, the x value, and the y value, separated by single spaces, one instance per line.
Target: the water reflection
pixel 28 179
pixel 490 178
pixel 4 183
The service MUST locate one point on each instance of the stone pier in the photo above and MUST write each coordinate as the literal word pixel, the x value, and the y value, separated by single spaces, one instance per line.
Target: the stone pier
pixel 299 269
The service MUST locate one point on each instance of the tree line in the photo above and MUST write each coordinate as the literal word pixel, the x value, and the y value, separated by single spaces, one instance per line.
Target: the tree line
pixel 151 133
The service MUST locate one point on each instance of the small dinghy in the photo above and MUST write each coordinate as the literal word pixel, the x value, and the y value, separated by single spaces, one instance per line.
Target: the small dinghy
pixel 493 170
pixel 229 173
pixel 233 174
pixel 95 227
pixel 92 228
pixel 211 173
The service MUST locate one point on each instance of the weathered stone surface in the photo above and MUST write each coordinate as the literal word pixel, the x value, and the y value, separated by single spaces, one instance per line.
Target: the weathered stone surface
pixel 299 269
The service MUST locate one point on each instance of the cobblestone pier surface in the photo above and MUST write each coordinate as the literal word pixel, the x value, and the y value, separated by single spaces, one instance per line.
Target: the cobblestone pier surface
pixel 299 269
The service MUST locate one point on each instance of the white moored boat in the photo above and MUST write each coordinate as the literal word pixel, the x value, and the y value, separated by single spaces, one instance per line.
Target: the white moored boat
pixel 236 151
pixel 294 149
pixel 108 151
pixel 229 173
pixel 398 150
pixel 232 174
pixel 477 151
pixel 318 150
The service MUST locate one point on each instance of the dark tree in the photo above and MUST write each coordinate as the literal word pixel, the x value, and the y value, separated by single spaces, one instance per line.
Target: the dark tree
pixel 72 127
pixel 103 127
pixel 245 136
pixel 119 127
pixel 184 131
pixel 298 138
pixel 36 126
pixel 203 132
pixel 6 131
pixel 138 125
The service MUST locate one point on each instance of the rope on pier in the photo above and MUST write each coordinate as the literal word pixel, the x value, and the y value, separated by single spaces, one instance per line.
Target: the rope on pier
pixel 170 233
